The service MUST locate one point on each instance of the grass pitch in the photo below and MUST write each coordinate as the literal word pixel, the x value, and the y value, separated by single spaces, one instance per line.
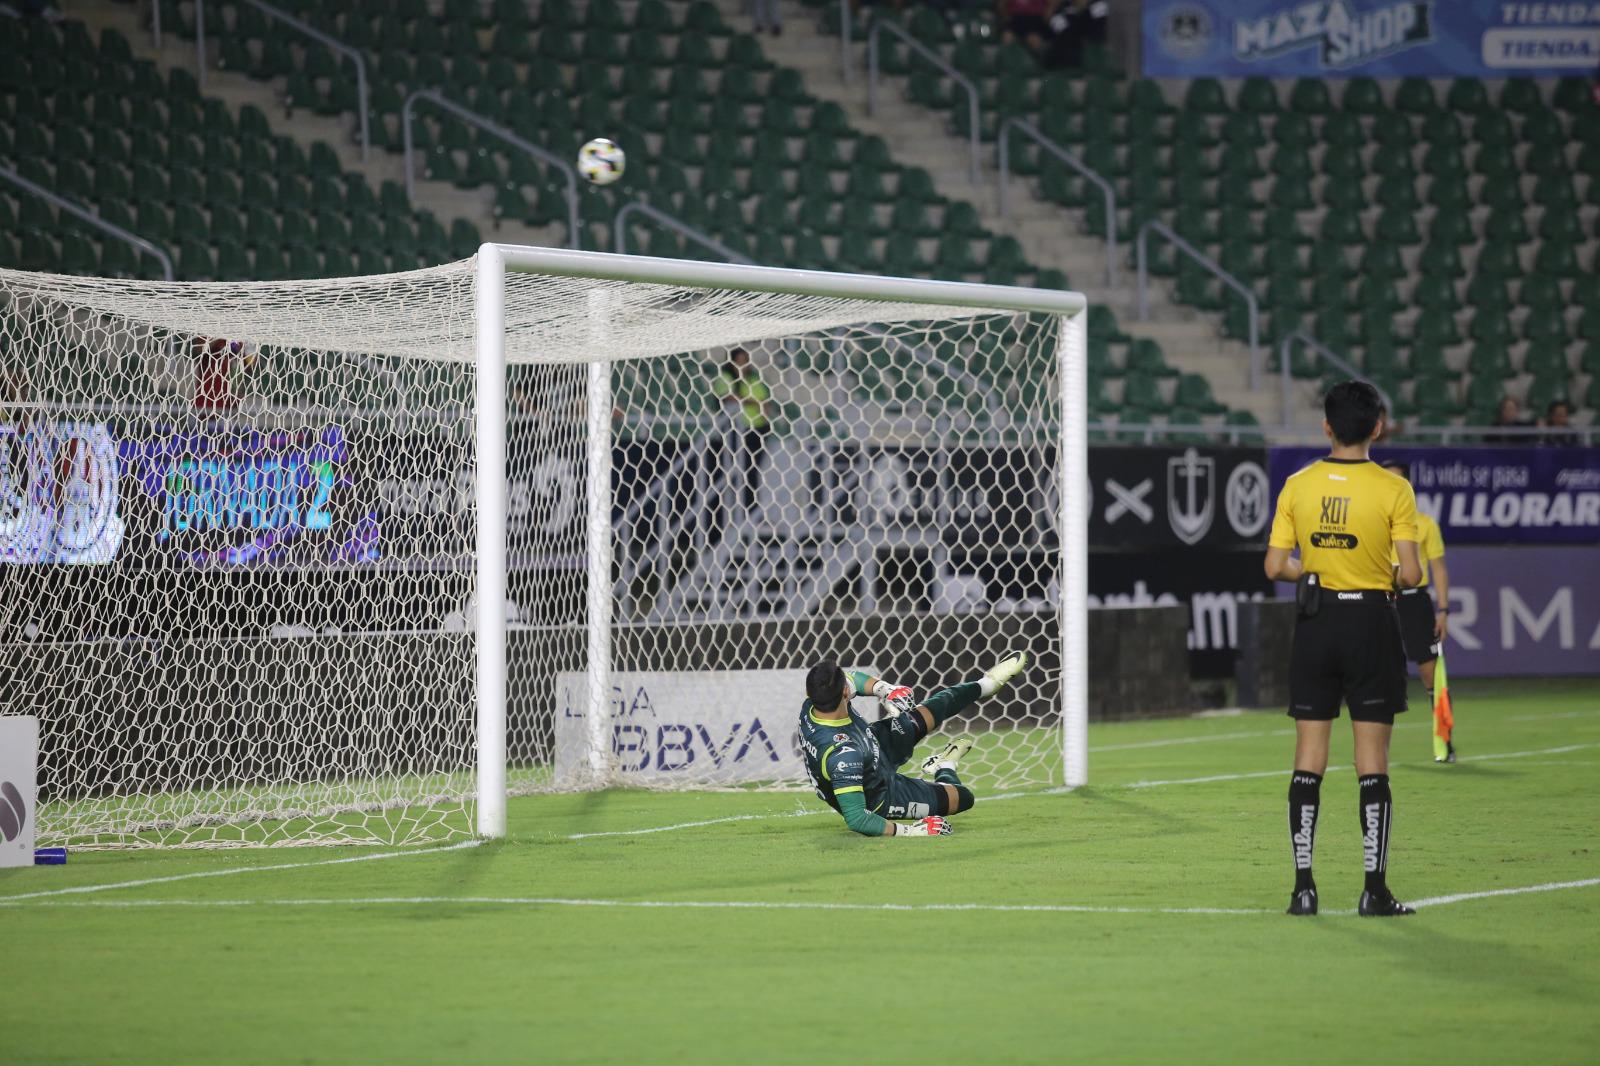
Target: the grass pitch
pixel 1133 921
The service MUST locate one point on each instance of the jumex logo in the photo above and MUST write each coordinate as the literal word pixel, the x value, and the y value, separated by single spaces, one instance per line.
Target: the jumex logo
pixel 1344 37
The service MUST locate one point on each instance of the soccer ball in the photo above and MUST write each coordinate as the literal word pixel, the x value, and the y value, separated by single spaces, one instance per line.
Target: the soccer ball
pixel 601 161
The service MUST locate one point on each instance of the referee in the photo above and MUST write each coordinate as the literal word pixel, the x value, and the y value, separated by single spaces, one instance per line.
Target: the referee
pixel 1423 624
pixel 1346 515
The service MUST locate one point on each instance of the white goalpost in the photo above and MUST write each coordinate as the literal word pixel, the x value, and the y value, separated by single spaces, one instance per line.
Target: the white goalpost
pixel 353 561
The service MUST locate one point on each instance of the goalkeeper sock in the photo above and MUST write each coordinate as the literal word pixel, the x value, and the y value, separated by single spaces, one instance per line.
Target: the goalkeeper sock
pixel 964 797
pixel 1305 802
pixel 949 702
pixel 1377 808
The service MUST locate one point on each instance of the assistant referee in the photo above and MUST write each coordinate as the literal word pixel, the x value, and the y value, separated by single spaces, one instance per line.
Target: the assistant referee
pixel 1345 515
pixel 1423 625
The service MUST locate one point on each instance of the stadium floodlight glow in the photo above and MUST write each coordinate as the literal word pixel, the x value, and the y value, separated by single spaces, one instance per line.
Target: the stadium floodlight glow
pixel 352 561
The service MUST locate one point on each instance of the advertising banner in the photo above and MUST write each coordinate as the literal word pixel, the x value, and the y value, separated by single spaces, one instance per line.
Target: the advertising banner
pixel 1372 38
pixel 19 775
pixel 1210 582
pixel 60 499
pixel 1486 495
pixel 1524 611
pixel 688 727
pixel 1178 497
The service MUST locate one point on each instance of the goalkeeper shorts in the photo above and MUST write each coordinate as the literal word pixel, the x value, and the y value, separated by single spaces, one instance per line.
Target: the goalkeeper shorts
pixel 899 737
pixel 911 797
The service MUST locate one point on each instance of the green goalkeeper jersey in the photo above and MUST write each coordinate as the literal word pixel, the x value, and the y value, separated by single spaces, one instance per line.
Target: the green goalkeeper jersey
pixel 842 755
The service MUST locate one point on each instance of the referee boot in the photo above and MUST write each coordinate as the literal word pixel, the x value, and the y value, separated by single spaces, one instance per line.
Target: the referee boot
pixel 1381 905
pixel 949 757
pixel 1304 901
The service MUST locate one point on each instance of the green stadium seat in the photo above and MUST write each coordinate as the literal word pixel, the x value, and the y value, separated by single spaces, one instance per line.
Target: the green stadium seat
pixel 1435 290
pixel 1257 96
pixel 1146 358
pixel 1415 97
pixel 1490 327
pixel 1545 329
pixel 1520 95
pixel 1143 391
pixel 1310 96
pixel 1443 128
pixel 1205 97
pixel 1362 97
pixel 1194 391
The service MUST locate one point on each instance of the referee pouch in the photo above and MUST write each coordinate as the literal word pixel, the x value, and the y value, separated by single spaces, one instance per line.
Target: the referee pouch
pixel 1308 594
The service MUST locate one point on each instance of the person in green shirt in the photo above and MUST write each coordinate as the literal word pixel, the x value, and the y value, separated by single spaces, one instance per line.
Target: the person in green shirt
pixel 852 763
pixel 747 400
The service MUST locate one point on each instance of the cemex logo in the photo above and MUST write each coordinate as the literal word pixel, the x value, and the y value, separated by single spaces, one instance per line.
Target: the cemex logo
pixel 13 812
pixel 1344 37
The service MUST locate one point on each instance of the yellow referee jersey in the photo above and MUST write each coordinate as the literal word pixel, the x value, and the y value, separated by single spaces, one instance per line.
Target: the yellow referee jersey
pixel 1430 545
pixel 1345 515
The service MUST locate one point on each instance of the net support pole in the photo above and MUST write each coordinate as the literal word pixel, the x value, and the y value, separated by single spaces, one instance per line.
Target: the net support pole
pixel 489 299
pixel 598 538
pixel 1074 491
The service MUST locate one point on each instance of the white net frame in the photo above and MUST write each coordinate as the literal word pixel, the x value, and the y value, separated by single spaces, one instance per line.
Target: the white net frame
pixel 390 674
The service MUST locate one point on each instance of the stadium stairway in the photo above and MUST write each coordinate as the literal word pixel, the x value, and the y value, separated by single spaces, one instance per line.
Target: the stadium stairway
pixel 1052 237
pixel 443 199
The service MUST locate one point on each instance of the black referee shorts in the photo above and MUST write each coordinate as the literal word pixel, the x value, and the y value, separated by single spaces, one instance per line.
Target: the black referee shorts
pixel 1350 651
pixel 1416 625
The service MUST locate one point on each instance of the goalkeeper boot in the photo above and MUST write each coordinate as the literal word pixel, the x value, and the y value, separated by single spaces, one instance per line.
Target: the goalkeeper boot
pixel 1002 672
pixel 1303 901
pixel 949 757
pixel 1381 905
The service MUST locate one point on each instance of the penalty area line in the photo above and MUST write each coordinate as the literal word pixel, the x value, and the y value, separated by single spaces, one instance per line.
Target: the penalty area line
pixel 764 905
pixel 82 889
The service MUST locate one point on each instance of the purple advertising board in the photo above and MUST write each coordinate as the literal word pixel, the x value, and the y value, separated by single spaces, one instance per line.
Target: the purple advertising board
pixel 1483 495
pixel 1524 611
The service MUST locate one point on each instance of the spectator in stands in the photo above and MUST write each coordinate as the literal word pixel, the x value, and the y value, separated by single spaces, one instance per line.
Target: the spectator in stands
pixel 1027 21
pixel 1510 417
pixel 1073 24
pixel 746 400
pixel 1559 416
pixel 215 360
pixel 766 16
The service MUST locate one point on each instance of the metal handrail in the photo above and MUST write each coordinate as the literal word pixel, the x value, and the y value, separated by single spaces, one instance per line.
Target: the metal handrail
pixel 333 44
pixel 1150 432
pixel 931 56
pixel 90 217
pixel 472 118
pixel 1322 351
pixel 1254 305
pixel 846 68
pixel 660 217
pixel 1106 188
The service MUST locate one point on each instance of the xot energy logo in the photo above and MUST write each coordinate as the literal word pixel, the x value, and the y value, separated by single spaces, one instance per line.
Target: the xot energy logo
pixel 13 812
pixel 1344 38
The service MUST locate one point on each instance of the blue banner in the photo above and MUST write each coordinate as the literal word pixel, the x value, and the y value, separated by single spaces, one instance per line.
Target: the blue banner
pixel 1525 495
pixel 1373 38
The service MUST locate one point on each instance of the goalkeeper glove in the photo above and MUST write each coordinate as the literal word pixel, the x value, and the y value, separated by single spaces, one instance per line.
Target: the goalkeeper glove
pixel 897 700
pixel 931 826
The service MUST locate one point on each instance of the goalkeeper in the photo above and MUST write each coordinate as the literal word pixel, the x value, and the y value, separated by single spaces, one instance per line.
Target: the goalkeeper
pixel 852 764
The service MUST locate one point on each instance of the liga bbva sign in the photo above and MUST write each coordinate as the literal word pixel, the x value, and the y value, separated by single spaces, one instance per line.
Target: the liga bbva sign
pixel 19 769
pixel 688 727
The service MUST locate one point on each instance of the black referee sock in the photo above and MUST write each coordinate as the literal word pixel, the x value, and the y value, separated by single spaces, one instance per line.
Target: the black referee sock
pixel 1305 801
pixel 1377 809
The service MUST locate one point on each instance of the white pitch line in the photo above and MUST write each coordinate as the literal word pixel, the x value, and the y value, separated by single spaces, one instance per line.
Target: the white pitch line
pixel 690 825
pixel 763 905
pixel 1552 715
pixel 80 889
pixel 1462 897
pixel 1191 740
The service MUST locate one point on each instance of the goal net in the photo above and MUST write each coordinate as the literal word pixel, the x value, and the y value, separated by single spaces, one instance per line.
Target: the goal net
pixel 257 592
